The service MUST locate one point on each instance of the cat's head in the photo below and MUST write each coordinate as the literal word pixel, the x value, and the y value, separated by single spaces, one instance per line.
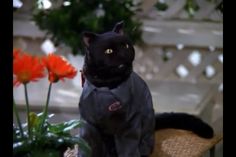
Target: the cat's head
pixel 109 56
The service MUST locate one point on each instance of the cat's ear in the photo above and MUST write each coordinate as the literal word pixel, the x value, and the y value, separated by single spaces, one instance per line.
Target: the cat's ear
pixel 119 28
pixel 88 37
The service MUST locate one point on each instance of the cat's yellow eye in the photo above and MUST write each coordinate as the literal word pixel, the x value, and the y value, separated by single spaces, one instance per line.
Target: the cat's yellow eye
pixel 108 51
pixel 127 46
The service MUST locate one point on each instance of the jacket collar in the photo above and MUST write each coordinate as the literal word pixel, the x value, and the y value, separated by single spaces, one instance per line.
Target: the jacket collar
pixel 122 91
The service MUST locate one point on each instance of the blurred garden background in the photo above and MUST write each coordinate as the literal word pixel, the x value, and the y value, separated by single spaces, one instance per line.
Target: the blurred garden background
pixel 178 43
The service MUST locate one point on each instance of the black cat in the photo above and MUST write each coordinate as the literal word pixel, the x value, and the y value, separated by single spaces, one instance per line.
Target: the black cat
pixel 117 104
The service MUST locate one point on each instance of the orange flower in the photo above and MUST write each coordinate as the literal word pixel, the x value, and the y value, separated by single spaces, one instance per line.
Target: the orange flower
pixel 27 68
pixel 58 68
pixel 16 53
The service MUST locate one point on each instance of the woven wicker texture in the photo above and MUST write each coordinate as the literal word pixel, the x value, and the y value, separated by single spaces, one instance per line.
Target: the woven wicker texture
pixel 181 143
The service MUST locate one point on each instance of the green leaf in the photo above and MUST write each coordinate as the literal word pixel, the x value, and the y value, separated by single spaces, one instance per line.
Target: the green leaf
pixel 48 140
pixel 35 122
pixel 17 135
pixel 45 153
pixel 57 142
pixel 191 7
pixel 65 127
pixel 161 6
pixel 21 148
pixel 34 119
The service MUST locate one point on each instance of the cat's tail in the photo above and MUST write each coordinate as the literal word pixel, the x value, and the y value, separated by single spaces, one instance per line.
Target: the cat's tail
pixel 184 121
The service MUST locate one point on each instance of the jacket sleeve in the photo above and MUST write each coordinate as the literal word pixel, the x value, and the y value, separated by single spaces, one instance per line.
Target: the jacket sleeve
pixel 147 123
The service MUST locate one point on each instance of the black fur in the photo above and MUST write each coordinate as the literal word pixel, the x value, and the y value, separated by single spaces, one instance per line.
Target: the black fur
pixel 108 63
pixel 183 121
pixel 103 70
pixel 108 69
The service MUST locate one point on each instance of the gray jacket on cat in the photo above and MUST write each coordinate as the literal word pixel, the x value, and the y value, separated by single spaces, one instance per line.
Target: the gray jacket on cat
pixel 120 122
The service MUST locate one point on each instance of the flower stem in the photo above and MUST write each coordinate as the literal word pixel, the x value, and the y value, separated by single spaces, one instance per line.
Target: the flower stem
pixel 28 109
pixel 18 118
pixel 45 113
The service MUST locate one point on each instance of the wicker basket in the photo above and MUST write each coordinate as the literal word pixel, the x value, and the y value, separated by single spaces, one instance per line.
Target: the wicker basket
pixel 181 143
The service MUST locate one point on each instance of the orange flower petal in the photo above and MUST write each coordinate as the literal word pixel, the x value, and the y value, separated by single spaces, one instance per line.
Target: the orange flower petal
pixel 16 53
pixel 59 68
pixel 27 68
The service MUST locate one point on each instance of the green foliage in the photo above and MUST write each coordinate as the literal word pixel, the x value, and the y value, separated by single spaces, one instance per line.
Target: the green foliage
pixel 51 140
pixel 191 7
pixel 66 23
pixel 65 127
pixel 161 6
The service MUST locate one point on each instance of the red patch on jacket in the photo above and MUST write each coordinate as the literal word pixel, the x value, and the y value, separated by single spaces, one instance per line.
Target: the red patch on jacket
pixel 114 106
